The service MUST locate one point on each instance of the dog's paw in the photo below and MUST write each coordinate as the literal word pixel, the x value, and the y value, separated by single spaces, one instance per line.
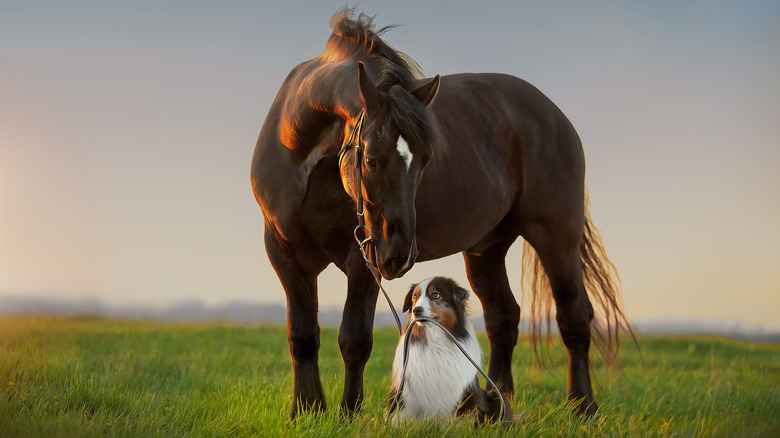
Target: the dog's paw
pixel 496 410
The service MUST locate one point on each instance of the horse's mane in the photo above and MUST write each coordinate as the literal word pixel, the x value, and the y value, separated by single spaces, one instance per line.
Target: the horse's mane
pixel 322 92
pixel 356 37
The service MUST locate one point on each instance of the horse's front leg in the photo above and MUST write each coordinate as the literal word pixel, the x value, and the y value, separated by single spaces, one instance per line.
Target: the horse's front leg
pixel 356 338
pixel 303 331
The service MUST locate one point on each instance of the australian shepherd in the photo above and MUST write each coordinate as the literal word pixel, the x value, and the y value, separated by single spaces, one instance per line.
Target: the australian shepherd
pixel 439 381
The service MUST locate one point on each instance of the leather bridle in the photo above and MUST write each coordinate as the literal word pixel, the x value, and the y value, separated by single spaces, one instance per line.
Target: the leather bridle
pixel 362 233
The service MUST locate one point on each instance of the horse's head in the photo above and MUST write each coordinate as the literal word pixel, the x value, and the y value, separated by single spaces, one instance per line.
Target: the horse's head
pixel 397 134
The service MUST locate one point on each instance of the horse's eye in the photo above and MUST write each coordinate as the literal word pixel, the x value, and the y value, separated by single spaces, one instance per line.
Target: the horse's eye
pixel 370 162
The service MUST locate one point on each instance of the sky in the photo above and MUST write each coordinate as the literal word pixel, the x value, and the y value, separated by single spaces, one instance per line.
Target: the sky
pixel 127 131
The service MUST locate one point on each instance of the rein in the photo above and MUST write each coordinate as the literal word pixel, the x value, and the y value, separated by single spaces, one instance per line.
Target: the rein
pixel 354 141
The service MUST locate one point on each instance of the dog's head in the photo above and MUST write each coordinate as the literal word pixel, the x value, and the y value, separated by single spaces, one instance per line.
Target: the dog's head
pixel 440 299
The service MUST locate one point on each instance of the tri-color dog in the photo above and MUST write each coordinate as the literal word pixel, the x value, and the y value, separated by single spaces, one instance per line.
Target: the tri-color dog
pixel 439 381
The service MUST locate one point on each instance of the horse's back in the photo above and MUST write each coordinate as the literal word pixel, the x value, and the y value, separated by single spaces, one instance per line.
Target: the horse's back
pixel 506 151
pixel 501 99
pixel 506 116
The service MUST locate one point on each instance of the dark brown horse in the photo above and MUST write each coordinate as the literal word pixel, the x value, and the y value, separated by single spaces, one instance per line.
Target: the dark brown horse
pixel 463 163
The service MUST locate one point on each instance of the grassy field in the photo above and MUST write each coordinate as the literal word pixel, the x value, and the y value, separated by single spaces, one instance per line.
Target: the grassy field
pixel 101 377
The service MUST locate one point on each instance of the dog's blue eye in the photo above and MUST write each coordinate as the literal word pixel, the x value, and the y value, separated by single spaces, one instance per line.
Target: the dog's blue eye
pixel 435 296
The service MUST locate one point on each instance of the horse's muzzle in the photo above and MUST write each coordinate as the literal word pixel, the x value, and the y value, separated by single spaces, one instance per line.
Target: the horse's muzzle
pixel 399 263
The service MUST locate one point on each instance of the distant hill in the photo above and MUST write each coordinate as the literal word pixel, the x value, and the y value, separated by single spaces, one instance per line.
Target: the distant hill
pixel 259 313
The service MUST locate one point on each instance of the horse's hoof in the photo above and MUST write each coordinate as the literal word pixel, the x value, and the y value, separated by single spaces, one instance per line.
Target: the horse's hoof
pixel 350 411
pixel 299 407
pixel 587 409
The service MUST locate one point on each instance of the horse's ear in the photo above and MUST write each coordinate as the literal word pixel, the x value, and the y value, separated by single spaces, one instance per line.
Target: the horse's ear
pixel 408 300
pixel 369 94
pixel 426 92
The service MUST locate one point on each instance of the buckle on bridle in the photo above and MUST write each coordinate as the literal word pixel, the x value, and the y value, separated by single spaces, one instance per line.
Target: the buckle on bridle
pixel 364 241
pixel 353 139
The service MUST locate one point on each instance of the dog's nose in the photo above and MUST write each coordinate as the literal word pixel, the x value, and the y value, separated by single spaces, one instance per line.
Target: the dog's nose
pixel 418 311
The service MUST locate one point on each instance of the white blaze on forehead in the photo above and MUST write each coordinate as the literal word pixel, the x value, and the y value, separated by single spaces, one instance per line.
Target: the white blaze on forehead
pixel 406 153
pixel 424 286
pixel 422 299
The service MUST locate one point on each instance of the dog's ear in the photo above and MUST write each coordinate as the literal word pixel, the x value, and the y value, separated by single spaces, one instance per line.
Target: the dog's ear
pixel 408 300
pixel 461 295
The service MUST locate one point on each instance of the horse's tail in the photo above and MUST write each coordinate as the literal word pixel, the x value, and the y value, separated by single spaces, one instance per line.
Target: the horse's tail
pixel 602 285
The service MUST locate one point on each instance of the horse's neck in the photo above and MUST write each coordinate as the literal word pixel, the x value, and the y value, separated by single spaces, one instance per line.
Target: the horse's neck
pixel 320 95
pixel 306 123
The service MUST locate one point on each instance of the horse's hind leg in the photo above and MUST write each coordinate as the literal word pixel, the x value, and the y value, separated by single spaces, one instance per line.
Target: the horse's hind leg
pixel 487 275
pixel 563 266
pixel 303 331
pixel 356 333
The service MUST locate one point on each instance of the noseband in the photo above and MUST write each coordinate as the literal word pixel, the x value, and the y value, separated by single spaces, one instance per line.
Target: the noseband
pixel 362 233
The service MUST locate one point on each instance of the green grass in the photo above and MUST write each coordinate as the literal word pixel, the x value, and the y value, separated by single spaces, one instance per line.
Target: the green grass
pixel 91 376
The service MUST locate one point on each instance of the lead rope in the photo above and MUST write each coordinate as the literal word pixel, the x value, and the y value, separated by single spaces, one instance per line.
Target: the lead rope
pixel 367 239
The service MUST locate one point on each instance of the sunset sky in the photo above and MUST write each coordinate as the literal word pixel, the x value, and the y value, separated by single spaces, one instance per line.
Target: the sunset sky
pixel 127 130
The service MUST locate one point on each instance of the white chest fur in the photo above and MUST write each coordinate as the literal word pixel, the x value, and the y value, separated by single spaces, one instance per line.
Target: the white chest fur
pixel 437 372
